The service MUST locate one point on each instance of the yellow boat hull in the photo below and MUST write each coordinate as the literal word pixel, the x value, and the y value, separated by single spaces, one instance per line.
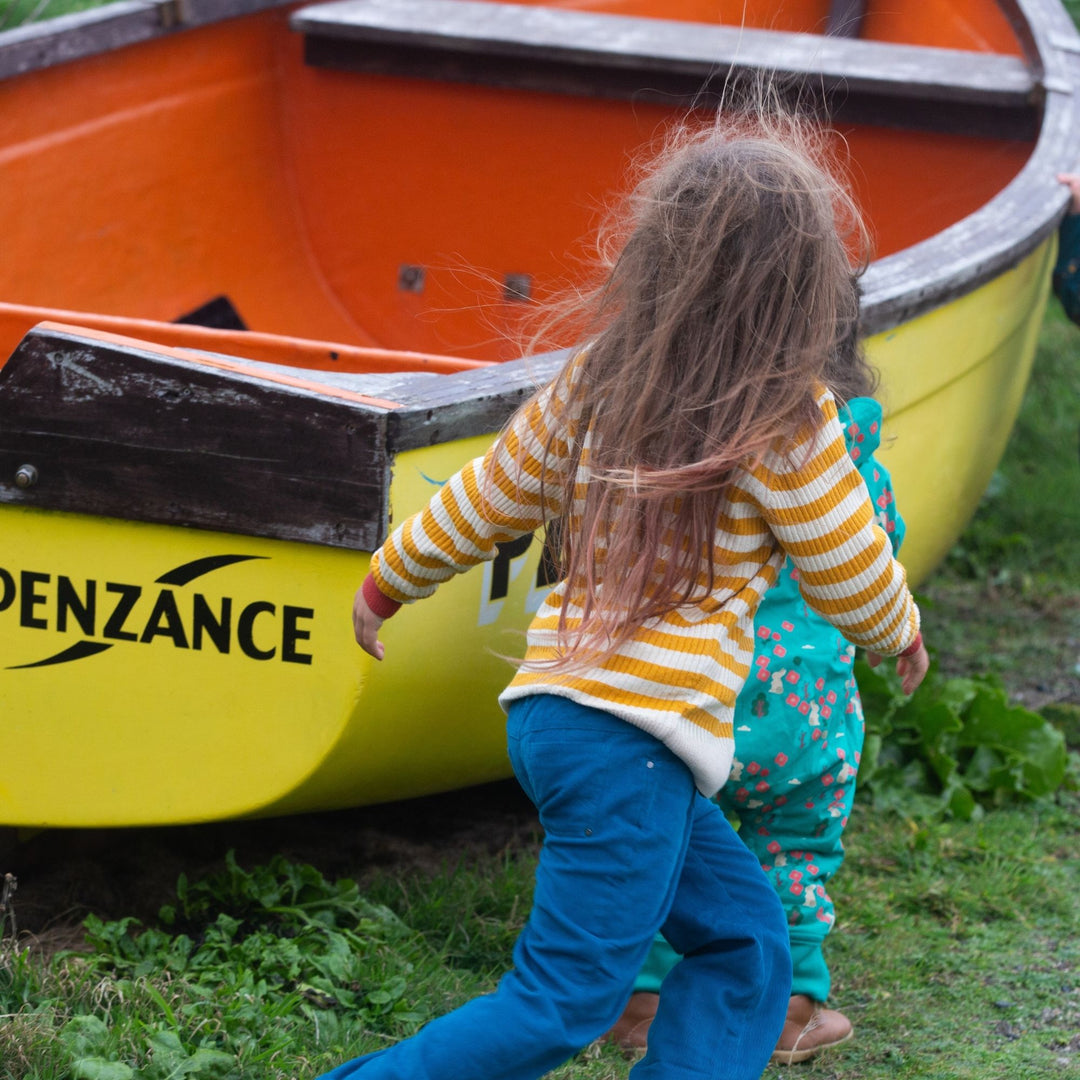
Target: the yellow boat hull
pixel 281 712
pixel 952 383
pixel 167 724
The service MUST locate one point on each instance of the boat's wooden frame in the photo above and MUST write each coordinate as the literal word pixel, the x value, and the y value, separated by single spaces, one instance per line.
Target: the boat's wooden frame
pixel 862 81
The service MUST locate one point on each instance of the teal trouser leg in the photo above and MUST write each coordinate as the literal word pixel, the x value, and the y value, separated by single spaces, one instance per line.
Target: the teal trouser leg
pixel 661 959
pixel 797 744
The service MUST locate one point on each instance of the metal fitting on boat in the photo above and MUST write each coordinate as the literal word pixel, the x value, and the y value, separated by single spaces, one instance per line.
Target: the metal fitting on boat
pixel 173 13
pixel 26 476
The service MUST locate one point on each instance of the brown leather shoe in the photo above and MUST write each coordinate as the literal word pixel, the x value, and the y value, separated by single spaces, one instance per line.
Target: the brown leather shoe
pixel 631 1030
pixel 809 1029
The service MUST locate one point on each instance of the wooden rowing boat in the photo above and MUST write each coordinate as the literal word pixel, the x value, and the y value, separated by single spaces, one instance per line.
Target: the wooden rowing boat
pixel 263 274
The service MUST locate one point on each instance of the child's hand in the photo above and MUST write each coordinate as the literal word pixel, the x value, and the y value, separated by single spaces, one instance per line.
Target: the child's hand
pixel 1072 182
pixel 911 669
pixel 366 626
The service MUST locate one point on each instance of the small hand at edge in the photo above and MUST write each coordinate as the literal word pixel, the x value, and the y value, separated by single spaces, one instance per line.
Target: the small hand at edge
pixel 1072 182
pixel 911 669
pixel 366 625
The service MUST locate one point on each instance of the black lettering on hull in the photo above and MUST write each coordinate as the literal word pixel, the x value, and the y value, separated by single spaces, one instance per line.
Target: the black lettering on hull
pixel 114 626
pixel 42 602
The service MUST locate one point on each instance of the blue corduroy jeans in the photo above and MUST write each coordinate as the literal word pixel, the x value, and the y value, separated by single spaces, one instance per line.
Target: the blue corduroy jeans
pixel 630 848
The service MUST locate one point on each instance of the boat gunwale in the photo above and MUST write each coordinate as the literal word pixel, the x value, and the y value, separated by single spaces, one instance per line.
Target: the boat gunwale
pixel 609 40
pixel 131 430
pixel 1019 219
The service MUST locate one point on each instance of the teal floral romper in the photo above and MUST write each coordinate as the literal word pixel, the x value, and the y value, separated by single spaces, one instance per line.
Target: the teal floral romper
pixel 799 732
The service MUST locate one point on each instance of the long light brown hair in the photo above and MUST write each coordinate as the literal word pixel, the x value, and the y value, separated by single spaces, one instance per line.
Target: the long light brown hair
pixel 732 299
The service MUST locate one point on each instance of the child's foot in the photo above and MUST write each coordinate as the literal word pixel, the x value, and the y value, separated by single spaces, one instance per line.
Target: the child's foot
pixel 631 1030
pixel 809 1029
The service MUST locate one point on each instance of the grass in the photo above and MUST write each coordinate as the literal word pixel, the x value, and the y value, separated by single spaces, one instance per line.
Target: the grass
pixel 956 953
pixel 956 956
pixel 19 12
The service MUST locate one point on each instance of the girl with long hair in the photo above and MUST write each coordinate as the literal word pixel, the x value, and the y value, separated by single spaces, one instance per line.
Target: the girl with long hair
pixel 688 446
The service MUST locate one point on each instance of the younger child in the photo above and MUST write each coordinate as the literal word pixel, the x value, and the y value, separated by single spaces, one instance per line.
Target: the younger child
pixel 798 737
pixel 689 445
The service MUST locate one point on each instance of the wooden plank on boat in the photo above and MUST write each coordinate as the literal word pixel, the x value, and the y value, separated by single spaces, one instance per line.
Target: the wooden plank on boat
pixel 846 18
pixel 88 33
pixel 219 443
pixel 599 54
pixel 103 428
pixel 468 403
pixel 429 409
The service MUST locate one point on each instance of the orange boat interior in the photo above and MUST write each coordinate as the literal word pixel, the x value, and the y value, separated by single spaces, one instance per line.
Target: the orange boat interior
pixel 354 221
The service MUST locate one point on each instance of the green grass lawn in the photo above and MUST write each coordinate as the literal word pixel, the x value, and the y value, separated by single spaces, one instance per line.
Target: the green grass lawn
pixel 956 955
pixel 18 12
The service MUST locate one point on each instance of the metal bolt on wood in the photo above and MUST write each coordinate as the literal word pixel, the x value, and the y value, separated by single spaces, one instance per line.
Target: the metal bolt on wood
pixel 26 476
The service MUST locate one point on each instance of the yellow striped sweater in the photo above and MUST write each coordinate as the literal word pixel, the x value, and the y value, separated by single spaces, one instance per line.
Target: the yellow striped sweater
pixel 678 676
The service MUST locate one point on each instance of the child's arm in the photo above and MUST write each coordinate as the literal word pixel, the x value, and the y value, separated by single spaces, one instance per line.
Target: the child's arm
pixel 816 505
pixel 464 522
pixel 1072 182
pixel 366 622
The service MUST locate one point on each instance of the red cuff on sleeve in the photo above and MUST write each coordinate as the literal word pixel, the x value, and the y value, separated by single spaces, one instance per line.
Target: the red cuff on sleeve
pixel 379 602
pixel 914 647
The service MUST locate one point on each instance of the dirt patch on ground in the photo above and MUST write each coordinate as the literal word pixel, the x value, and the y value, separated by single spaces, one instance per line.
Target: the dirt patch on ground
pixel 1030 637
pixel 66 874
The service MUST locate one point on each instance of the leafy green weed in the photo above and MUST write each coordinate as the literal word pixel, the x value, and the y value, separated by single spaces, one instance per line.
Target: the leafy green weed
pixel 957 746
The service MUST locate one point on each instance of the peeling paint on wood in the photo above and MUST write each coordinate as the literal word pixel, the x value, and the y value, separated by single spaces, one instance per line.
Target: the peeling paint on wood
pixel 124 433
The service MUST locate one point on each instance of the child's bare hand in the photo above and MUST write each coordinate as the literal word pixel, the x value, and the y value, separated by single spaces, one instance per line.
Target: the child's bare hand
pixel 366 626
pixel 911 669
pixel 1072 182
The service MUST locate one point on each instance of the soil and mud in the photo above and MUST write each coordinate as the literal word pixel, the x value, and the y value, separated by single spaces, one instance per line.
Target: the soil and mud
pixel 65 874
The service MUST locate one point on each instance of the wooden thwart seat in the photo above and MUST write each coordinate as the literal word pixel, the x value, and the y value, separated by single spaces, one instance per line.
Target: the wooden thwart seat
pixel 603 55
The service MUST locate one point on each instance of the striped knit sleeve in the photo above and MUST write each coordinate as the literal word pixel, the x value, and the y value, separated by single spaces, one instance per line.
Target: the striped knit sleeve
pixel 817 506
pixel 467 517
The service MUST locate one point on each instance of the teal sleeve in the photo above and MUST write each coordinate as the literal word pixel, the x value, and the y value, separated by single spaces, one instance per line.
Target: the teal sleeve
pixel 1066 276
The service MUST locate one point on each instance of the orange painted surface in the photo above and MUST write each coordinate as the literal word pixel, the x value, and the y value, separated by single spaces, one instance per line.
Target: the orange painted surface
pixel 911 185
pixel 17 319
pixel 142 184
pixel 973 25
